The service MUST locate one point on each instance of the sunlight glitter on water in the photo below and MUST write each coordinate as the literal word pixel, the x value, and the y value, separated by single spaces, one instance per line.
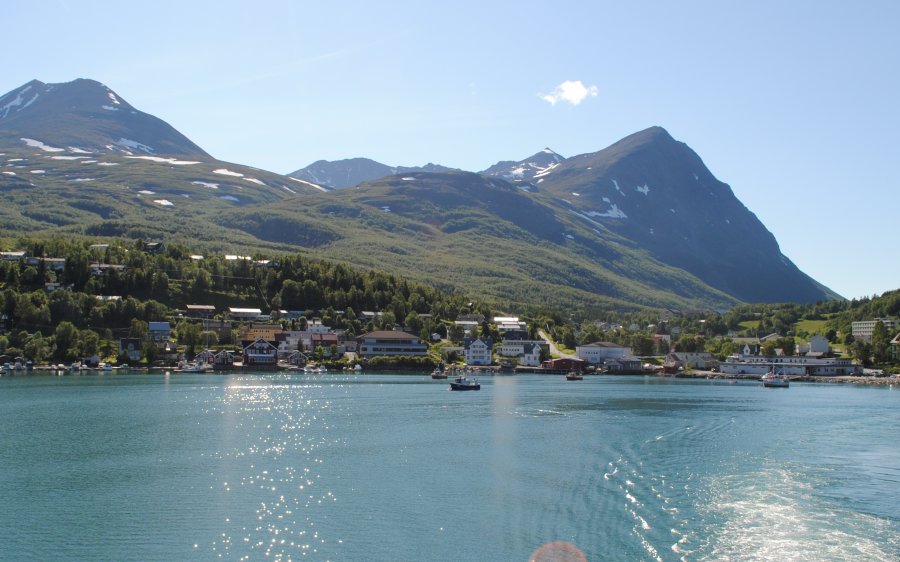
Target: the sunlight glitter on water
pixel 281 423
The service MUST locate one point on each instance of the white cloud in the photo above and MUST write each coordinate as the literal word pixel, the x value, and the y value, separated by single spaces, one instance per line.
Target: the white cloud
pixel 570 91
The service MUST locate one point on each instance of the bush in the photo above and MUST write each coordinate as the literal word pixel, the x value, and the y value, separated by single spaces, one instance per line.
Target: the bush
pixel 399 363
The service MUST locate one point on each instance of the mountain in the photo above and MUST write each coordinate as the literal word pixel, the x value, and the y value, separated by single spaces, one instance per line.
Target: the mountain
pixel 339 174
pixel 657 193
pixel 77 159
pixel 528 169
pixel 489 238
pixel 642 223
pixel 86 115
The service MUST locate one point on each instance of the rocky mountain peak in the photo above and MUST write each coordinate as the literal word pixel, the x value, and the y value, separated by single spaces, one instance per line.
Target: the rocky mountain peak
pixel 86 114
pixel 528 169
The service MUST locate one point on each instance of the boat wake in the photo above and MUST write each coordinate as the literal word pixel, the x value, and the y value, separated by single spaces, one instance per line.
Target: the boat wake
pixel 776 515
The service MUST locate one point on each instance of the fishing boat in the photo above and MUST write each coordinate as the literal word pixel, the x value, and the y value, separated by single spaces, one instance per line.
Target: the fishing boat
pixel 462 382
pixel 774 380
pixel 574 376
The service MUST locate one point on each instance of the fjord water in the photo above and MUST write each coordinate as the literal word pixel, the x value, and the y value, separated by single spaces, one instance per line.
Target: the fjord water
pixel 395 467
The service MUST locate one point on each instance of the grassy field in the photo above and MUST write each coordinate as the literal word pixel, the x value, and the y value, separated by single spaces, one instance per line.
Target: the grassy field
pixel 811 326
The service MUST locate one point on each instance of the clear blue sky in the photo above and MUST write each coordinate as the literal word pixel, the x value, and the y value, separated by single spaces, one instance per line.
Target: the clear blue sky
pixel 793 104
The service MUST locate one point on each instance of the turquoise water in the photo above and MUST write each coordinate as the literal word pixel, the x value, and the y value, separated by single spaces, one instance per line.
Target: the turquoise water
pixel 395 467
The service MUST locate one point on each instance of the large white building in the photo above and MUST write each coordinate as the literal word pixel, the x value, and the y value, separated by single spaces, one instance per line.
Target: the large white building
pixel 862 330
pixel 236 313
pixel 526 352
pixel 388 343
pixel 601 351
pixel 788 365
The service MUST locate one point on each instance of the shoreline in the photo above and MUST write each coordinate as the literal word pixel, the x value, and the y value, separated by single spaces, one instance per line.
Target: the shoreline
pixel 842 379
pixel 490 371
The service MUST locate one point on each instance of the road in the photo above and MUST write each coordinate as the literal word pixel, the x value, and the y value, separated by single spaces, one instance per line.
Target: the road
pixel 554 351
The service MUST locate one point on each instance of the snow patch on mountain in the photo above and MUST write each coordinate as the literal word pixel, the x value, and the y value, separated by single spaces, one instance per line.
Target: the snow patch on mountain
pixel 18 102
pixel 38 171
pixel 134 145
pixel 107 163
pixel 67 157
pixel 309 183
pixel 77 150
pixel 614 212
pixel 206 184
pixel 161 160
pixel 227 172
pixel 112 97
pixel 231 198
pixel 544 171
pixel 164 202
pixel 38 144
pixel 619 189
pixel 256 181
pixel 645 189
pixel 147 192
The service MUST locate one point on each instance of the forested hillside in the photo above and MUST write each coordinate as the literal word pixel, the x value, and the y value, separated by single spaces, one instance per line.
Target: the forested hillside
pixel 113 290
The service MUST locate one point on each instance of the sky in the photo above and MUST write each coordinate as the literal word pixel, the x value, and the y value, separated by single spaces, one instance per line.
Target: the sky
pixel 795 105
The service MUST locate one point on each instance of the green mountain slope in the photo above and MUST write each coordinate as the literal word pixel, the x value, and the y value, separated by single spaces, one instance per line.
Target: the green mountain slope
pixel 488 238
pixel 642 223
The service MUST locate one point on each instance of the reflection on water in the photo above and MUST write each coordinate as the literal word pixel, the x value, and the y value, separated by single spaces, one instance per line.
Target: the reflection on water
pixel 387 467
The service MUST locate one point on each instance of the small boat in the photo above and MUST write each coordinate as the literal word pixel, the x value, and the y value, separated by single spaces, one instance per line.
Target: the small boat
pixel 438 374
pixel 574 376
pixel 464 383
pixel 196 367
pixel 774 380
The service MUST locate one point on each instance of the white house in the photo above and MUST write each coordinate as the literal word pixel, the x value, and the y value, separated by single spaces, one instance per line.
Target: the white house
pixel 470 327
pixel 514 348
pixel 511 326
pixel 527 352
pixel 601 351
pixel 478 351
pixel 159 332
pixel 693 359
pixel 531 355
pixel 817 345
pixel 260 354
